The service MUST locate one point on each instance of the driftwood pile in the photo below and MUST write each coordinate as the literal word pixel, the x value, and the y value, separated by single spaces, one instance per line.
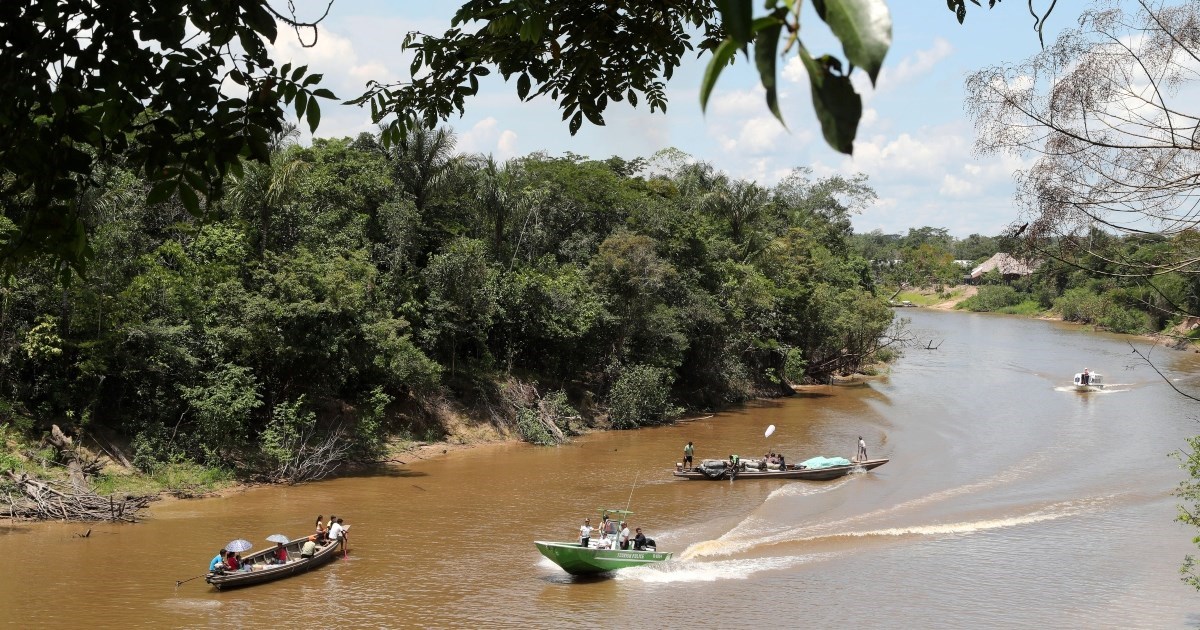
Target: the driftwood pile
pixel 40 499
pixel 46 500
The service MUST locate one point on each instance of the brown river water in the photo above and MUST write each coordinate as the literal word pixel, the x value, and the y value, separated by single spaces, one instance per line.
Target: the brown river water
pixel 1009 502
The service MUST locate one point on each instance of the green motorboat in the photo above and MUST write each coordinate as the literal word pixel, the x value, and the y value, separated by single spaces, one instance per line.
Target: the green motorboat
pixel 603 553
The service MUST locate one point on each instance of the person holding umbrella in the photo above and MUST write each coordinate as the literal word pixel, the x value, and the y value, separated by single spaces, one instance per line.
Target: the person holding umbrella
pixel 233 548
pixel 281 554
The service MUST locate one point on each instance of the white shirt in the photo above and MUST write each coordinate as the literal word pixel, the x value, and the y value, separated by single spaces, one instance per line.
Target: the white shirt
pixel 625 535
pixel 585 531
pixel 335 532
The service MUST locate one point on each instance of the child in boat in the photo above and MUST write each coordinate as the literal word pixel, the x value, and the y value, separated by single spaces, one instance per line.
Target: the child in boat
pixel 321 535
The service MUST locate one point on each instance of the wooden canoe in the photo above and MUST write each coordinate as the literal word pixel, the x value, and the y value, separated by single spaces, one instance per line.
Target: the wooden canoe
pixel 262 572
pixel 791 472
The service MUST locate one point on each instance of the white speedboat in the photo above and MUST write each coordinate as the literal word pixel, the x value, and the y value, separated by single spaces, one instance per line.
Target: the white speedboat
pixel 1089 382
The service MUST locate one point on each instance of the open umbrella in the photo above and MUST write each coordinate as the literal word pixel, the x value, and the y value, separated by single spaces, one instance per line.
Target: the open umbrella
pixel 239 545
pixel 279 538
pixel 770 430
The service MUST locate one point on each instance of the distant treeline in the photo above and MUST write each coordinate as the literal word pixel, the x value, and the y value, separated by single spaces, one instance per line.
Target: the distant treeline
pixel 1141 283
pixel 338 296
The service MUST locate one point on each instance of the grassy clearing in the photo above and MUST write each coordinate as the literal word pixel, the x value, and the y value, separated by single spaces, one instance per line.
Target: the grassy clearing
pixel 185 478
pixel 1029 308
pixel 920 299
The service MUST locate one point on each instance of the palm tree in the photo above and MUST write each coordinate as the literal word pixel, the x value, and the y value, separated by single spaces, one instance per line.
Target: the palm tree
pixel 262 189
pixel 421 160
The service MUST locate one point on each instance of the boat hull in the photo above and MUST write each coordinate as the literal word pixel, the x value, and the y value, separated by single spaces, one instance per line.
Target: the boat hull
pixel 271 572
pixel 578 560
pixel 811 474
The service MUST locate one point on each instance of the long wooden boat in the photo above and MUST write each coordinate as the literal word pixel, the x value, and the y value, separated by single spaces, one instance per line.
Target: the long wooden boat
pixel 791 471
pixel 261 572
pixel 602 554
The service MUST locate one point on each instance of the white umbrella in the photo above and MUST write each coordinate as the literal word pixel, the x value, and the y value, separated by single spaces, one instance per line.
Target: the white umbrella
pixel 279 538
pixel 770 430
pixel 239 545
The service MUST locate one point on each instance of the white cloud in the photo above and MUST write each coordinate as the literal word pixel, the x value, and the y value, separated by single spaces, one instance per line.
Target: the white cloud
pixel 955 187
pixel 506 146
pixel 480 138
pixel 759 135
pixel 915 65
pixel 794 71
pixel 738 102
pixel 487 138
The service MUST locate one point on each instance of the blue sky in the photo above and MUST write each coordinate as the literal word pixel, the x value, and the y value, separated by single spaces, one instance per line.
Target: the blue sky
pixel 915 143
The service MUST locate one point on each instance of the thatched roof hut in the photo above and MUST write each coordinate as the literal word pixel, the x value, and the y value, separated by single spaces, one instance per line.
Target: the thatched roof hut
pixel 1009 267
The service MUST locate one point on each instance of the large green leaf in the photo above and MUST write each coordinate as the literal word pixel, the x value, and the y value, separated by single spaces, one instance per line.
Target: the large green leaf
pixel 766 44
pixel 719 61
pixel 736 17
pixel 838 106
pixel 863 26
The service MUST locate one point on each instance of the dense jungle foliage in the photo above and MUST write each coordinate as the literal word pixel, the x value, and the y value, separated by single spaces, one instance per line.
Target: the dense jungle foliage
pixel 342 294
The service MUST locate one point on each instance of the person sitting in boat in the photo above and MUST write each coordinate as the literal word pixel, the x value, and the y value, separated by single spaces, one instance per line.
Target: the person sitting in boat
pixel 231 562
pixel 280 554
pixel 321 531
pixel 640 542
pixel 734 460
pixel 603 543
pixel 310 547
pixel 218 563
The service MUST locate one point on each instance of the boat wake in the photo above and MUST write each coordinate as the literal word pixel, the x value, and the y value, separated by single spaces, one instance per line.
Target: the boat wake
pixel 1110 388
pixel 808 536
pixel 712 571
pixel 191 604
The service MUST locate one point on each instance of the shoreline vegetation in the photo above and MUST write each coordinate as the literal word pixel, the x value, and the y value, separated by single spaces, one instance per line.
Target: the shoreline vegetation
pixel 351 302
pixel 185 480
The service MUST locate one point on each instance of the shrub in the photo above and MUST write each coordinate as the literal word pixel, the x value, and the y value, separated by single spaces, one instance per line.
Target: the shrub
pixel 992 298
pixel 1080 305
pixel 534 423
pixel 1125 320
pixel 641 396
pixel 1028 307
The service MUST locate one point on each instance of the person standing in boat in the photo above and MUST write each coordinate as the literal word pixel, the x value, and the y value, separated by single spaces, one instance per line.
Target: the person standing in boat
pixel 585 533
pixel 1085 378
pixel 624 542
pixel 688 451
pixel 862 450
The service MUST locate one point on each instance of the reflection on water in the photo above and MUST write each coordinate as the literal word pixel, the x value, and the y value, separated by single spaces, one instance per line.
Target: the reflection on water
pixel 1009 501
